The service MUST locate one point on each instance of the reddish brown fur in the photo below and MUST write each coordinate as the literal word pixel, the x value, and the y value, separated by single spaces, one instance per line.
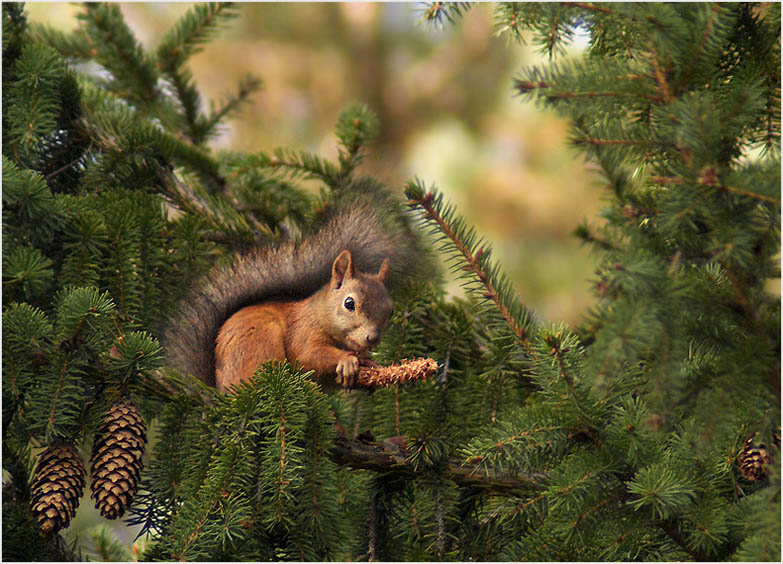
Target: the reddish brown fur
pixel 315 332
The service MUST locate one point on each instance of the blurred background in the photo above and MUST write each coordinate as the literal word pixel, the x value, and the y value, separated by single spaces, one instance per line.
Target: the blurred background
pixel 448 112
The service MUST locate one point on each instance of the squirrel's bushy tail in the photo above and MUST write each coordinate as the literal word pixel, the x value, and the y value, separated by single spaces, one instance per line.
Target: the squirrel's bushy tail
pixel 290 271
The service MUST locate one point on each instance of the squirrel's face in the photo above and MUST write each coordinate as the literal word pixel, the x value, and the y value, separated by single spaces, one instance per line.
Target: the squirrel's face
pixel 360 304
pixel 361 310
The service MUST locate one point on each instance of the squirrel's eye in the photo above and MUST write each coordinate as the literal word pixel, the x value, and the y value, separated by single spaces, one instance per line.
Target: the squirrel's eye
pixel 349 305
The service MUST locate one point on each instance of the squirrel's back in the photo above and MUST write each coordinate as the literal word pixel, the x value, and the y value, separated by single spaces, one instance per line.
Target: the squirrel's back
pixel 290 270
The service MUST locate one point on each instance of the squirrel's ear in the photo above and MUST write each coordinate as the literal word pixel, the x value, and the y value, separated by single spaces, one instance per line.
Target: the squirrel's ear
pixel 383 271
pixel 342 268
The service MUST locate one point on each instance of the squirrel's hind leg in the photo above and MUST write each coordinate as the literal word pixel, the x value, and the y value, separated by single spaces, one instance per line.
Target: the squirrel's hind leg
pixel 251 336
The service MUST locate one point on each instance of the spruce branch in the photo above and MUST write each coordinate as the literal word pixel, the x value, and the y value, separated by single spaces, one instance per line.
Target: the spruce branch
pixel 753 320
pixel 605 142
pixel 121 54
pixel 518 508
pixel 427 202
pixel 123 132
pixel 66 166
pixel 206 125
pixel 557 351
pixel 77 46
pixel 187 95
pixel 450 11
pixel 230 225
pixel 660 78
pixel 372 534
pixel 584 232
pixel 525 86
pixel 356 454
pixel 441 539
pixel 715 9
pixel 56 395
pixel 509 17
pixel 709 179
pixel 356 126
pixel 181 42
pixel 295 164
pixel 604 502
pixel 588 7
pixel 193 30
pixel 523 436
pixel 669 527
pixel 668 98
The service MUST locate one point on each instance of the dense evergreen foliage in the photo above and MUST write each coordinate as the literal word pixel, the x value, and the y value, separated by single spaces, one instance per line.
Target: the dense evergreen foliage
pixel 619 439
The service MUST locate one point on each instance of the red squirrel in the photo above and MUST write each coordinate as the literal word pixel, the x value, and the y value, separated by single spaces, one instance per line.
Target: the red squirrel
pixel 320 301
pixel 325 332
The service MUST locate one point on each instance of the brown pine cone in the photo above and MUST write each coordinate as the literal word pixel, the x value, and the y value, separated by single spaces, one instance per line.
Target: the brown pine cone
pixel 405 371
pixel 58 483
pixel 752 460
pixel 116 461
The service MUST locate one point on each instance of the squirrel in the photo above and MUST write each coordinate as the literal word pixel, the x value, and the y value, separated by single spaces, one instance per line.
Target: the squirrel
pixel 321 301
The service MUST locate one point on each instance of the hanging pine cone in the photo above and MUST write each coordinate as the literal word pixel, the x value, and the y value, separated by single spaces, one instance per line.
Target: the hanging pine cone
pixel 57 487
pixel 752 460
pixel 116 459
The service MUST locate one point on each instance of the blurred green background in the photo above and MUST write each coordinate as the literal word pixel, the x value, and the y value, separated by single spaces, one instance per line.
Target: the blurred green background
pixel 448 114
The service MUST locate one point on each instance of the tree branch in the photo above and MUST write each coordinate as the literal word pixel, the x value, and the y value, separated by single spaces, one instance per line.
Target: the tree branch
pixel 525 86
pixel 356 454
pixel 588 7
pixel 425 202
pixel 704 181
pixel 592 141
pixel 670 529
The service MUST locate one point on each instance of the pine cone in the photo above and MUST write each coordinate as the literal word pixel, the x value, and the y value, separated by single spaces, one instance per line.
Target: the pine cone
pixel 57 487
pixel 405 371
pixel 116 459
pixel 752 461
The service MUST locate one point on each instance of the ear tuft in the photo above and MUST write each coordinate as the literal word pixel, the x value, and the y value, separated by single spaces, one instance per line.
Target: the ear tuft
pixel 342 268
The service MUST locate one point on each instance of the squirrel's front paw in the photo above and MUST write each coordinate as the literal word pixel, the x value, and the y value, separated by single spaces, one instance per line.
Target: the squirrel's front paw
pixel 368 363
pixel 346 371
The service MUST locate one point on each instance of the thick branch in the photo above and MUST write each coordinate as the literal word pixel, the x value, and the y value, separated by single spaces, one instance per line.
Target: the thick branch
pixel 356 454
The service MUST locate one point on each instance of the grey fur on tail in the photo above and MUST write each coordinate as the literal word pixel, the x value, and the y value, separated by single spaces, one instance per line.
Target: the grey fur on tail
pixel 291 271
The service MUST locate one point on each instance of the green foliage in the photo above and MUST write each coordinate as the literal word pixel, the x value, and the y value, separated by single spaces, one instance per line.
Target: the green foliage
pixel 356 126
pixel 104 546
pixel 184 40
pixel 95 250
pixel 616 440
pixel 437 13
pixel 257 482
pixel 133 72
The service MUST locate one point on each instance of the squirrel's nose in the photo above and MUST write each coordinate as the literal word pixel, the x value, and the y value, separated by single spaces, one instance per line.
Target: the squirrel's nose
pixel 373 338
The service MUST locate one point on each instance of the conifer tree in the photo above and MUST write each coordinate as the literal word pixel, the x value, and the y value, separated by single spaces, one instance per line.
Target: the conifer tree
pixel 649 432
